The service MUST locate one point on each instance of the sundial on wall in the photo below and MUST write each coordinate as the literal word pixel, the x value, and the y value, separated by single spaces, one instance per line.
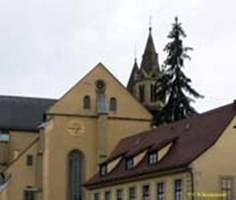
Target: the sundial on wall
pixel 75 128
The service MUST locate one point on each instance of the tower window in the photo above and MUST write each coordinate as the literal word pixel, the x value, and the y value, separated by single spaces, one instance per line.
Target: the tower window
pixel 153 93
pixel 87 102
pixel 29 160
pixel 141 93
pixel 113 104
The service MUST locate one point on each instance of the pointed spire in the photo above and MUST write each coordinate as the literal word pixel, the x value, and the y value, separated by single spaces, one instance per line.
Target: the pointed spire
pixel 134 75
pixel 150 57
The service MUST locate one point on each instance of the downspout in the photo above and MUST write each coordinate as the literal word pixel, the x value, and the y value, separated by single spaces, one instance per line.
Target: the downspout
pixel 192 182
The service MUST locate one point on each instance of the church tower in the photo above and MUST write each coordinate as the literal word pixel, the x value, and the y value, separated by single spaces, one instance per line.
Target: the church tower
pixel 142 80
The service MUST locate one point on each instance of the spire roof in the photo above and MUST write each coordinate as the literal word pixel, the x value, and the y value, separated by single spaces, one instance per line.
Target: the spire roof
pixel 150 57
pixel 133 76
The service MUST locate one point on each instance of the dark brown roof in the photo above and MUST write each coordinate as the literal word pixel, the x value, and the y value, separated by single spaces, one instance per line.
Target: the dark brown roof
pixel 23 113
pixel 191 138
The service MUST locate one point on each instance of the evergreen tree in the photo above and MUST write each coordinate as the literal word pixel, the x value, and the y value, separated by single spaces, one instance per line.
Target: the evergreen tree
pixel 173 84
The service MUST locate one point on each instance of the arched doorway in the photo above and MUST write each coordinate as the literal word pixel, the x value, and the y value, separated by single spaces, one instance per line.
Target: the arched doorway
pixel 75 175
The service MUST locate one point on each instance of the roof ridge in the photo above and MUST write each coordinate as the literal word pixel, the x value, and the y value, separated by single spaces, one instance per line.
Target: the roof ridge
pixel 177 122
pixel 27 97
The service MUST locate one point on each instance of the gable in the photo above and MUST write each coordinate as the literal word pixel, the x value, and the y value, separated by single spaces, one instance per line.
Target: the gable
pixel 72 102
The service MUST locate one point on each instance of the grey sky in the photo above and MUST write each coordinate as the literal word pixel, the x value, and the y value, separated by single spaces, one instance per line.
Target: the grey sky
pixel 46 46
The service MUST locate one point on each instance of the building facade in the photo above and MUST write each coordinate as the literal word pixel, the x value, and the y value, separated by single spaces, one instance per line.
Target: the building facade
pixel 50 147
pixel 189 159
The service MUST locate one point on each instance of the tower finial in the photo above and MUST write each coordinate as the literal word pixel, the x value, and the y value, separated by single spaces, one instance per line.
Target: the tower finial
pixel 150 23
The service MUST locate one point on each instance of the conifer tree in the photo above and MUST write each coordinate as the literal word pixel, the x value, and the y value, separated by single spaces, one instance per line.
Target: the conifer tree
pixel 173 84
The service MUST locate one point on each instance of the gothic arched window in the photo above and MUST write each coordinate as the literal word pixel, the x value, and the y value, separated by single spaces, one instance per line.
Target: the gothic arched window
pixel 113 104
pixel 87 102
pixel 75 175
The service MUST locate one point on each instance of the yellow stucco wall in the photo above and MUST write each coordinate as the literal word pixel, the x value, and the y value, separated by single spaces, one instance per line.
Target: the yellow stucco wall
pixel 129 118
pixel 19 140
pixel 218 161
pixel 21 174
pixel 168 180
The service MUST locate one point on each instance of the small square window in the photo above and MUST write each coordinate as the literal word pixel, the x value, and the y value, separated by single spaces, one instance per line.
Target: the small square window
pixel 152 158
pixel 129 163
pixel 29 160
pixel 103 170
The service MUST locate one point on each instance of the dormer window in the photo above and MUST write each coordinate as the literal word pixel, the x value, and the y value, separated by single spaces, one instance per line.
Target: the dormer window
pixel 129 163
pixel 103 169
pixel 152 158
pixel 87 102
pixel 113 104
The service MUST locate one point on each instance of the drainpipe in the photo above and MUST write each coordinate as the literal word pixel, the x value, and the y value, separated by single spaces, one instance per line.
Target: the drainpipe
pixel 192 182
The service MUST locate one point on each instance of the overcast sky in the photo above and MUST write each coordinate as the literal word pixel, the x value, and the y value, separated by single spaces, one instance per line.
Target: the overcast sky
pixel 46 46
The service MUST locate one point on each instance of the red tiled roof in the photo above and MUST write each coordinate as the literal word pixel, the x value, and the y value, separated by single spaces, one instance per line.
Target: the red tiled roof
pixel 191 138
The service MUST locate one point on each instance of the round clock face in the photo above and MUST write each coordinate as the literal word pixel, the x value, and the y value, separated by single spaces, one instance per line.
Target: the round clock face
pixel 75 128
pixel 100 85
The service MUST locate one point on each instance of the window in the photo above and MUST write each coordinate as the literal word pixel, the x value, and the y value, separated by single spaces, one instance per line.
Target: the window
pixel 103 169
pixel 28 195
pixel 113 104
pixel 153 93
pixel 178 189
pixel 132 193
pixel 96 196
pixel 87 102
pixel 75 175
pixel 152 158
pixel 29 160
pixel 108 195
pixel 119 194
pixel 141 93
pixel 146 192
pixel 160 191
pixel 227 187
pixel 129 163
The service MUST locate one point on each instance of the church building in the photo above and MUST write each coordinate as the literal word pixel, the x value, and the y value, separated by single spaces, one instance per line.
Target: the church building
pixel 97 142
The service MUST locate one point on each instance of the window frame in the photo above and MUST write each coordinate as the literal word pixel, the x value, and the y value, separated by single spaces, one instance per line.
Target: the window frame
pixel 151 156
pixel 148 195
pixel 113 104
pixel 121 192
pixel 109 195
pixel 129 163
pixel 231 179
pixel 160 194
pixel 96 196
pixel 178 191
pixel 132 196
pixel 87 102
pixel 103 169
pixel 29 194
pixel 29 160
